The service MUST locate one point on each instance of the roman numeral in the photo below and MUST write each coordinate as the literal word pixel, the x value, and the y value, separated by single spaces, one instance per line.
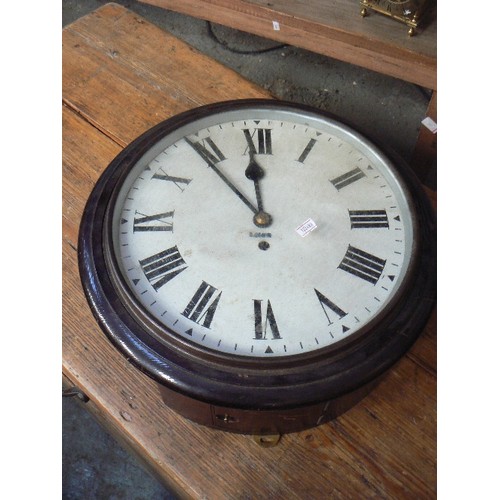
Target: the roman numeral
pixel 307 150
pixel 327 303
pixel 362 264
pixel 202 306
pixel 157 222
pixel 169 178
pixel 208 150
pixel 261 325
pixel 160 268
pixel 368 219
pixel 344 180
pixel 263 145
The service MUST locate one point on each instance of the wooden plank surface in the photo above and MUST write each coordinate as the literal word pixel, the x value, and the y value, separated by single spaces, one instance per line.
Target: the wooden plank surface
pixel 121 75
pixel 333 28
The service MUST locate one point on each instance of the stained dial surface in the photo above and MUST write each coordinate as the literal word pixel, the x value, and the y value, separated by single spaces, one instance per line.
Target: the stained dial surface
pixel 262 233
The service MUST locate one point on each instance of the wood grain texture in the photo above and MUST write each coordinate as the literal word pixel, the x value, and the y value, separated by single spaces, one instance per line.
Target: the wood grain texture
pixel 333 28
pixel 121 75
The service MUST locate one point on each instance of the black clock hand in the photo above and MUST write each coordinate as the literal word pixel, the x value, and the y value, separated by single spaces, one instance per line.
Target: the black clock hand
pixel 202 152
pixel 254 172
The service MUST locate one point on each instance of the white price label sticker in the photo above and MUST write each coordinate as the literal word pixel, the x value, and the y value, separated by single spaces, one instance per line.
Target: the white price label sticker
pixel 306 227
pixel 276 26
pixel 430 124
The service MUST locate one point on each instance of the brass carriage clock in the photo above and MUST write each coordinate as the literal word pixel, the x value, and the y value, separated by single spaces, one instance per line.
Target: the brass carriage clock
pixel 409 12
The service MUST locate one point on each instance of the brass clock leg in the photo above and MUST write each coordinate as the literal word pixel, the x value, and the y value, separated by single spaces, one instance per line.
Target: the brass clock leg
pixel 267 441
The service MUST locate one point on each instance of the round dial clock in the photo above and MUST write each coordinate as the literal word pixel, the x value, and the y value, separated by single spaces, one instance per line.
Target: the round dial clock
pixel 262 261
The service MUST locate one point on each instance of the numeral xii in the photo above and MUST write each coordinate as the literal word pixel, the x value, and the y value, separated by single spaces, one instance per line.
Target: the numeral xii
pixel 263 144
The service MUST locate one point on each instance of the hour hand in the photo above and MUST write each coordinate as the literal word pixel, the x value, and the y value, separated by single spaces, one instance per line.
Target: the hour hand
pixel 255 173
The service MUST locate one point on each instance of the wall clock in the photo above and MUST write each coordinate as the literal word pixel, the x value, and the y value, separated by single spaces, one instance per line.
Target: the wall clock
pixel 262 261
pixel 410 12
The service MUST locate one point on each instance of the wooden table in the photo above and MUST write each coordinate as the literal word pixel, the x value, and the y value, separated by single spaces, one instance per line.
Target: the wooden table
pixel 333 28
pixel 121 75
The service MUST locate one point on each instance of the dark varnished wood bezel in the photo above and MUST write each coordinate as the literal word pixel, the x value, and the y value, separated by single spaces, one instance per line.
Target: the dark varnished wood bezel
pixel 248 384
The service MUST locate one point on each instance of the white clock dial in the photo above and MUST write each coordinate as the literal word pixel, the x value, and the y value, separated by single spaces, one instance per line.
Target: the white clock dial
pixel 205 233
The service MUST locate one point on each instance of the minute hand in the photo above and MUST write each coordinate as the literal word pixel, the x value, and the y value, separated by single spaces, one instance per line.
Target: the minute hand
pixel 205 155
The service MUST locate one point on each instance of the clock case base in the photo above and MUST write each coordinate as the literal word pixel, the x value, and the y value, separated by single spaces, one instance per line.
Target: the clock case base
pixel 263 422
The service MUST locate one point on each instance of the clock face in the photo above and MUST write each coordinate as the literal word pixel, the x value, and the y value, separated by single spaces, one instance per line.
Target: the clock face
pixel 260 232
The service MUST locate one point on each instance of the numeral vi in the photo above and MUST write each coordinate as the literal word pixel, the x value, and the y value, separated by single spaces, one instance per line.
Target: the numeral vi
pixel 262 324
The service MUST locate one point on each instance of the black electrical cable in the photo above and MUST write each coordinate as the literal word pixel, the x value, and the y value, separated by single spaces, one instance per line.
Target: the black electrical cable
pixel 425 92
pixel 238 51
